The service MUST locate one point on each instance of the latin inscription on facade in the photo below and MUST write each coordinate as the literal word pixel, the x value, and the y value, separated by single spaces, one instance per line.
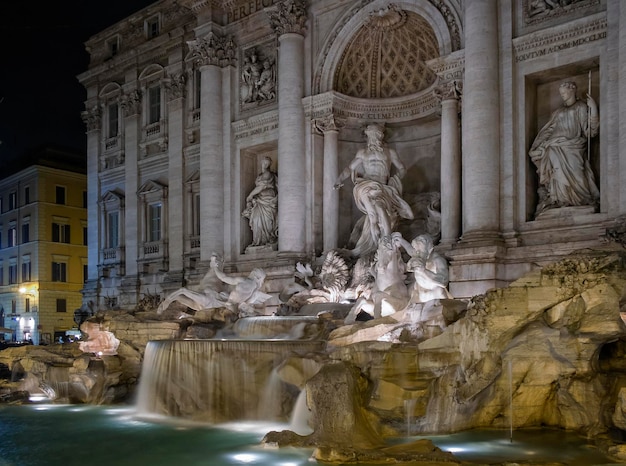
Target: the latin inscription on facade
pixel 539 45
pixel 241 10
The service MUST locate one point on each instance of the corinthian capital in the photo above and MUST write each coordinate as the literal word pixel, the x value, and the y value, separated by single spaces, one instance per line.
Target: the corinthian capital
pixel 329 123
pixel 289 16
pixel 91 118
pixel 451 90
pixel 213 50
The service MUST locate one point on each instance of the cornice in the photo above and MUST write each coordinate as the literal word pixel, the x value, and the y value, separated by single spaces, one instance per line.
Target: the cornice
pixel 355 111
pixel 558 38
pixel 255 125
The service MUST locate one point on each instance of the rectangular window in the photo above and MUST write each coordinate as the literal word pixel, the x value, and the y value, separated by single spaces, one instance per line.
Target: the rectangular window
pixel 27 305
pixel 59 272
pixel 60 233
pixel 12 200
pixel 154 222
pixel 85 237
pixel 25 232
pixel 61 305
pixel 26 277
pixel 12 237
pixel 12 274
pixel 154 104
pixel 13 306
pixel 196 215
pixel 27 195
pixel 113 45
pixel 1 275
pixel 113 123
pixel 60 195
pixel 197 83
pixel 113 229
pixel 84 199
pixel 152 27
pixel 85 273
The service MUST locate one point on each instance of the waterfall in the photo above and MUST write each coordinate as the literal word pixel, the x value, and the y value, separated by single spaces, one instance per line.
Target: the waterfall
pixel 299 422
pixel 214 380
pixel 409 410
pixel 278 327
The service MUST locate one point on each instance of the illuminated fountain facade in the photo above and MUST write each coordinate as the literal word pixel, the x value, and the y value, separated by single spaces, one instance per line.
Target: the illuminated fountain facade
pixel 437 166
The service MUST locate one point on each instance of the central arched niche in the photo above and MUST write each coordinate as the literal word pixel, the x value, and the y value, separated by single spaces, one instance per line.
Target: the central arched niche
pixel 386 56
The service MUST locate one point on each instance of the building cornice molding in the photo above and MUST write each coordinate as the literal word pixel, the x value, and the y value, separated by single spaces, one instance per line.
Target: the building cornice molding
pixel 252 126
pixel 558 38
pixel 357 111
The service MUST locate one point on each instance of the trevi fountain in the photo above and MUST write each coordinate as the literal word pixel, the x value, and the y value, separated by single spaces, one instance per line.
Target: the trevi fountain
pixel 362 304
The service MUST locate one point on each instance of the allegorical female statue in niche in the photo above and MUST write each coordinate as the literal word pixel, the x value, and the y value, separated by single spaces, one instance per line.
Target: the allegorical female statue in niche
pixel 262 207
pixel 560 153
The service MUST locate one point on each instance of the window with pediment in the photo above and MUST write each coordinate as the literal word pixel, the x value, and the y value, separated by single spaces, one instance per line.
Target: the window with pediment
pixel 154 131
pixel 153 208
pixel 112 228
pixel 112 133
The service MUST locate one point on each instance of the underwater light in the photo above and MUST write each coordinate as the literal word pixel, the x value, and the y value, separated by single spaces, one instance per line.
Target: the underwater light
pixel 244 457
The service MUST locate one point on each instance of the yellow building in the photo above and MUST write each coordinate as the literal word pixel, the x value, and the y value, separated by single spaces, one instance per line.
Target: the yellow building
pixel 43 245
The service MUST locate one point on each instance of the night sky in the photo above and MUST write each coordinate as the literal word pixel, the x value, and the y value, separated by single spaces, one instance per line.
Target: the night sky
pixel 42 51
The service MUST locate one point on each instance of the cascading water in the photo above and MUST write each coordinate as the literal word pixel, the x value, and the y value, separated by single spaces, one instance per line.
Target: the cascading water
pixel 217 380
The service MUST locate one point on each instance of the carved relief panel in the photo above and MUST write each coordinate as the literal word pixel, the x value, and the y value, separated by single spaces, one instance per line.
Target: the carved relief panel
pixel 258 76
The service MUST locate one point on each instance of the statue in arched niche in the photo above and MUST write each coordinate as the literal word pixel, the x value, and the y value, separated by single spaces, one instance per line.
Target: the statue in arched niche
pixel 560 153
pixel 262 207
pixel 377 191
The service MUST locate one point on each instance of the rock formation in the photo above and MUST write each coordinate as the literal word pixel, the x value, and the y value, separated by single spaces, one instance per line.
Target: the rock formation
pixel 555 338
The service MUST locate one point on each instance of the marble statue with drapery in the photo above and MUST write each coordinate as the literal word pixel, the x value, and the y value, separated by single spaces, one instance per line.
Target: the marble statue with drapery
pixel 376 172
pixel 262 207
pixel 560 153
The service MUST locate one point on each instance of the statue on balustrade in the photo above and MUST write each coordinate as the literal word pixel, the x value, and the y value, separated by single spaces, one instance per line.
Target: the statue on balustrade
pixel 376 172
pixel 262 207
pixel 243 300
pixel 560 152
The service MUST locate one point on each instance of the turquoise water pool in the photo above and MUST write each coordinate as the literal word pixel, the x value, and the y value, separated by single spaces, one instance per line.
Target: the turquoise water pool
pixel 68 435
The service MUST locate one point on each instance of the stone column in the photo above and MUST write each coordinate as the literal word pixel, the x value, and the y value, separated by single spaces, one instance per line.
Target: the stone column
pixel 329 126
pixel 131 106
pixel 288 20
pixel 211 52
pixel 175 86
pixel 481 128
pixel 92 119
pixel 450 163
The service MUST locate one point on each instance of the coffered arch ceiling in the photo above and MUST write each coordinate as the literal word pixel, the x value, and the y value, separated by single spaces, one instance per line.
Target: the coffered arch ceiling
pixel 386 57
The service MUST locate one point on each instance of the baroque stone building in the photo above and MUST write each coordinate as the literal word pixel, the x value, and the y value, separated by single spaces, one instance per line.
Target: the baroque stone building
pixel 187 98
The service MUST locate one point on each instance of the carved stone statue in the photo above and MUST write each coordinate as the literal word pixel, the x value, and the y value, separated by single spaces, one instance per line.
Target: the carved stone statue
pixel 262 207
pixel 377 192
pixel 242 300
pixel 429 268
pixel 389 293
pixel 99 341
pixel 267 82
pixel 250 74
pixel 560 153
